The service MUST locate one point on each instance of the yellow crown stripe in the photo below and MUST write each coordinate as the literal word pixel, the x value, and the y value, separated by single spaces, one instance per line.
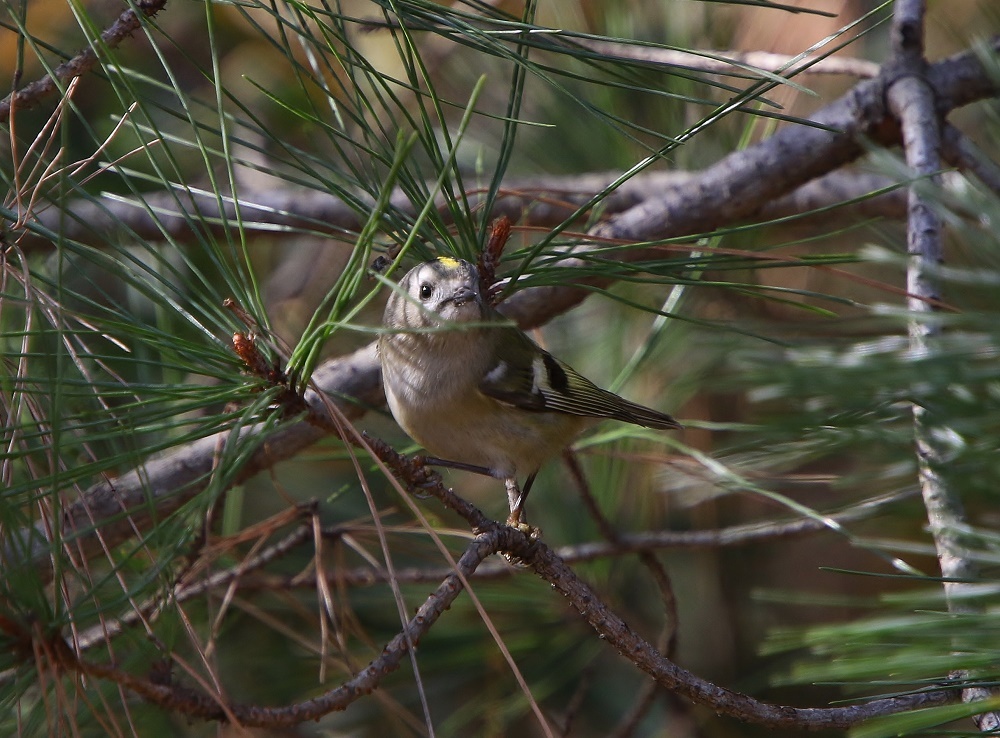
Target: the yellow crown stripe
pixel 448 262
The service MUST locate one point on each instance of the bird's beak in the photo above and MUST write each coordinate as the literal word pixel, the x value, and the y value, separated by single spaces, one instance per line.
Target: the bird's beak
pixel 463 295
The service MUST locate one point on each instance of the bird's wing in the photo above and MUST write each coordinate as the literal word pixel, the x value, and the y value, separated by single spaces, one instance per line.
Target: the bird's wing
pixel 530 378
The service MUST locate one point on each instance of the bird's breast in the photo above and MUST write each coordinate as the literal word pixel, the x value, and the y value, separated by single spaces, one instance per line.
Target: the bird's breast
pixel 437 401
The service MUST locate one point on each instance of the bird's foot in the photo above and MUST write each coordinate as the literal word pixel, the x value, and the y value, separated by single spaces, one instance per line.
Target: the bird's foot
pixel 518 521
pixel 421 473
pixel 532 531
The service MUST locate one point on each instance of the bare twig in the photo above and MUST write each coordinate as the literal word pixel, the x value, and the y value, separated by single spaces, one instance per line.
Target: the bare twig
pixel 32 94
pixel 640 652
pixel 577 701
pixel 186 701
pixel 247 572
pixel 641 704
pixel 623 545
pixel 912 100
pixel 647 696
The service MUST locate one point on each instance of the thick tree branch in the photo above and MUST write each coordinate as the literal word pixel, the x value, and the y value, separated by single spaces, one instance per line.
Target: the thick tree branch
pixel 527 201
pixel 912 100
pixel 740 184
pixel 730 61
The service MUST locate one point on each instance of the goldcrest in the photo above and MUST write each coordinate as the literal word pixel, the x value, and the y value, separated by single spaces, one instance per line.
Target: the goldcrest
pixel 474 390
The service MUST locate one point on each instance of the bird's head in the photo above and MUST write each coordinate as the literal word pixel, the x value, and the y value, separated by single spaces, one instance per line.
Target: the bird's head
pixel 434 293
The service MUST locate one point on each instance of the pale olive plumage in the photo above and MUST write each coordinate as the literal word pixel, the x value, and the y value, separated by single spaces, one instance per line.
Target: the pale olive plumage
pixel 471 388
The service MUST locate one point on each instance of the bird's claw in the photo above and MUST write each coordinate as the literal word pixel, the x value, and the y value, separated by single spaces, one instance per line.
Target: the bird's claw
pixel 533 532
pixel 422 475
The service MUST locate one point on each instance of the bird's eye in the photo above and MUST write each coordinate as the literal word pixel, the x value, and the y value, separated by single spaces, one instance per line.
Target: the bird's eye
pixel 426 291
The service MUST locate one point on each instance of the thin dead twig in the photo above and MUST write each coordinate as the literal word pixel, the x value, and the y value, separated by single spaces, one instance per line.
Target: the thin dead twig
pixel 197 704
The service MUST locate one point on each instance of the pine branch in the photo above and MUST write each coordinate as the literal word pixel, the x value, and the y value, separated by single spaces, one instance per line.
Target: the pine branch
pixel 491 538
pixel 742 183
pixel 914 102
pixel 739 185
pixel 116 509
pixel 527 201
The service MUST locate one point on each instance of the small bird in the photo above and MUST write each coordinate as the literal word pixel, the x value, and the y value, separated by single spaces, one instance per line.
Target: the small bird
pixel 475 390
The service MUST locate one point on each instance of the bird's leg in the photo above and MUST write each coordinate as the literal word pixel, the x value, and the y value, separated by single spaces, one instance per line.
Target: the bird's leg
pixel 448 464
pixel 516 498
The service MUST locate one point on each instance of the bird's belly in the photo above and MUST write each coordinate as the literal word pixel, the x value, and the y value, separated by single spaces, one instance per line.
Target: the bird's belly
pixel 481 431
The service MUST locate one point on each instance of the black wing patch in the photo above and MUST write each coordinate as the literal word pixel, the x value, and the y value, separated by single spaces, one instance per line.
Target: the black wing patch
pixel 542 383
pixel 558 379
pixel 513 385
